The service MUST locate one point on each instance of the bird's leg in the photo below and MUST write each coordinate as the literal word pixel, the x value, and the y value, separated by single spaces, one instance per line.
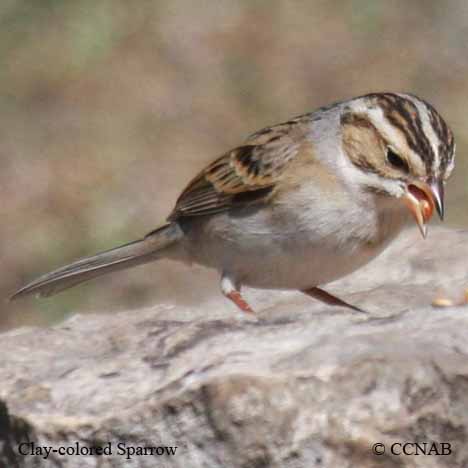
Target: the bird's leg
pixel 232 292
pixel 329 299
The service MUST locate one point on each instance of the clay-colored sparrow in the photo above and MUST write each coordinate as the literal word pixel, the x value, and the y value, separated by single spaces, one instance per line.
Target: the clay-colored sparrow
pixel 299 204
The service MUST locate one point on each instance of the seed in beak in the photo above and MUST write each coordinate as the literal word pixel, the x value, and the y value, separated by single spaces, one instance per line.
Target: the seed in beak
pixel 420 202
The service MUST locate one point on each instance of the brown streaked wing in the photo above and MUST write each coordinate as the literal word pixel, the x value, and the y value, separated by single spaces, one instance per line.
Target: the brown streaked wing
pixel 244 175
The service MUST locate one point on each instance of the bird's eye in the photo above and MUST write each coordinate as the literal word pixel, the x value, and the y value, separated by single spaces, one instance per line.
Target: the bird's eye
pixel 397 161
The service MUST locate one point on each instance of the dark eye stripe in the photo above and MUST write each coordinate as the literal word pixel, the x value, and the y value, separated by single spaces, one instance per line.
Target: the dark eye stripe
pixel 410 117
pixel 358 157
pixel 410 125
pixel 397 161
pixel 404 115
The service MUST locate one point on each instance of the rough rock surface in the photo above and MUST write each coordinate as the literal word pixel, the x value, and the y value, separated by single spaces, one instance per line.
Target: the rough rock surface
pixel 305 385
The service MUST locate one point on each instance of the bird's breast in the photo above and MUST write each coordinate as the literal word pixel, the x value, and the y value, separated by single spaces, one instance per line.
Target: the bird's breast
pixel 289 245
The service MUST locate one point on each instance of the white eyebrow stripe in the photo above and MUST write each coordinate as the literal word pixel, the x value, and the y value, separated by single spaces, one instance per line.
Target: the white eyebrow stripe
pixel 390 132
pixel 427 127
pixel 380 122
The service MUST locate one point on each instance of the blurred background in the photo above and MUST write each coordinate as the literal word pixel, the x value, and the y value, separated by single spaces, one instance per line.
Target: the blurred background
pixel 109 107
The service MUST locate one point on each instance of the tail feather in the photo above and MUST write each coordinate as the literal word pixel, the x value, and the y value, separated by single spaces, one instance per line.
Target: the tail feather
pixel 119 258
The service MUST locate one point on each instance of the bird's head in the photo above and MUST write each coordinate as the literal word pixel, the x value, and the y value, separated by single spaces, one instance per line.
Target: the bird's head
pixel 399 146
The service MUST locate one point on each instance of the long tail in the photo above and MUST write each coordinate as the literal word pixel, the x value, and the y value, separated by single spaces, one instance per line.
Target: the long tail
pixel 119 258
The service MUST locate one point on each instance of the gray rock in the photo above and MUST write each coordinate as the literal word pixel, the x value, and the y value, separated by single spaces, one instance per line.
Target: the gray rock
pixel 305 385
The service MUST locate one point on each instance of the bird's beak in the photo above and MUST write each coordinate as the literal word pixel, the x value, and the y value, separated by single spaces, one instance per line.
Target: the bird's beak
pixel 421 198
pixel 437 190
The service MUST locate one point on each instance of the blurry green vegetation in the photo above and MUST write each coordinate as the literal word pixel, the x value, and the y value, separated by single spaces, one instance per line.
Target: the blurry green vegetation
pixel 107 108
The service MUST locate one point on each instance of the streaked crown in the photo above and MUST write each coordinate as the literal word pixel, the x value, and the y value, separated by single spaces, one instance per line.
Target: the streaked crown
pixel 407 130
pixel 401 147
